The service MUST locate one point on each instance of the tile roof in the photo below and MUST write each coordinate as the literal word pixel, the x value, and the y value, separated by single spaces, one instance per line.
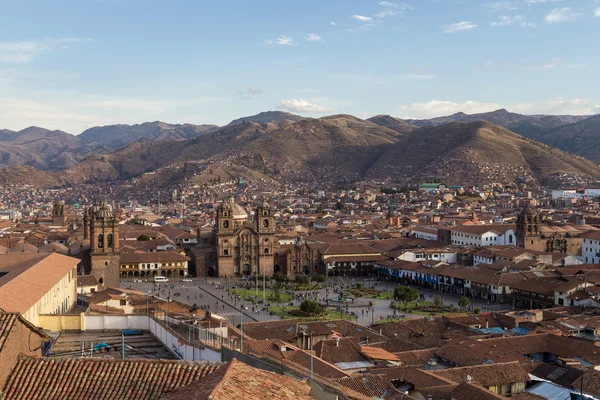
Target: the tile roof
pixel 236 380
pixel 486 375
pixel 367 384
pixel 470 391
pixel 418 378
pixel 7 322
pixel 34 274
pixel 101 379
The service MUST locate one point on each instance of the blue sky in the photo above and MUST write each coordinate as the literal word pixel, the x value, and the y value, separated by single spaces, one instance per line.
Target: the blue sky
pixel 70 65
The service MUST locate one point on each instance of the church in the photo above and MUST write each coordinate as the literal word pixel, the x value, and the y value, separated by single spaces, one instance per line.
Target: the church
pixel 534 234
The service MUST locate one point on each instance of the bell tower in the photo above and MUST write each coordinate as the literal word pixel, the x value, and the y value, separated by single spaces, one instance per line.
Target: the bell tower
pixel 265 226
pixel 59 217
pixel 104 246
pixel 528 226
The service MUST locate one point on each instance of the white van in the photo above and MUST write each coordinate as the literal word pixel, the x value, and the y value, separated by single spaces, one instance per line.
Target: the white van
pixel 160 279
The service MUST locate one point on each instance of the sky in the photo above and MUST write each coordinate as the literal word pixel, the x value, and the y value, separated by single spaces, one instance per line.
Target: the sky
pixel 74 64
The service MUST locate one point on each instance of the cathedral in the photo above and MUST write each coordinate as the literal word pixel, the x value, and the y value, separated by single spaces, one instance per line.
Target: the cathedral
pixel 244 246
pixel 533 234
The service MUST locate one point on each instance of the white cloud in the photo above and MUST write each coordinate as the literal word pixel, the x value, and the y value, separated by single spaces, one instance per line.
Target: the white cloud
pixel 254 90
pixel 597 12
pixel 502 6
pixel 506 20
pixel 596 110
pixel 74 112
pixel 386 13
pixel 437 108
pixel 302 106
pixel 562 15
pixel 459 26
pixel 283 40
pixel 332 23
pixel 26 51
pixel 364 114
pixel 312 37
pixel 530 2
pixel 362 18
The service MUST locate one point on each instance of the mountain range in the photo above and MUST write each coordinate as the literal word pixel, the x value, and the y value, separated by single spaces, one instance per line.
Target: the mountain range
pixel 283 147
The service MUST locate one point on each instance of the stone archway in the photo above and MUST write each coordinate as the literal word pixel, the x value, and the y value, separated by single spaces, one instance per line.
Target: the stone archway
pixel 305 270
pixel 246 270
pixel 276 268
pixel 211 271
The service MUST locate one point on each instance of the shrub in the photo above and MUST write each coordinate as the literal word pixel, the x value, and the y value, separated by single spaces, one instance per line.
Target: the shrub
pixel 312 307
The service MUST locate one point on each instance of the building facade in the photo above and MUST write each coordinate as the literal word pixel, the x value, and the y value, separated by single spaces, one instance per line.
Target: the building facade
pixel 245 246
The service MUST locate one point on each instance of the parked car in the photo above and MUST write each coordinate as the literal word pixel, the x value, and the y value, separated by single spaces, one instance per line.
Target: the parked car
pixel 186 280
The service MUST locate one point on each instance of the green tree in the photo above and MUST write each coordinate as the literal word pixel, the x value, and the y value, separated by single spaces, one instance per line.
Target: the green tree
pixel 312 307
pixel 463 301
pixel 437 301
pixel 301 280
pixel 276 297
pixel 318 278
pixel 406 294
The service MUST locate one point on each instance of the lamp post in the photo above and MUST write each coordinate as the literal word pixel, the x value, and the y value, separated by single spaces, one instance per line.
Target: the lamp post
pixel 312 377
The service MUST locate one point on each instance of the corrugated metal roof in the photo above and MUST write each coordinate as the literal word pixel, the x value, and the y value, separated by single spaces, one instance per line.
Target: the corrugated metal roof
pixel 550 391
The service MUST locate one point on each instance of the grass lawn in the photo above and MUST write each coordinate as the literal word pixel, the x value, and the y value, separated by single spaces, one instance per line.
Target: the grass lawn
pixel 250 294
pixel 331 314
pixel 385 296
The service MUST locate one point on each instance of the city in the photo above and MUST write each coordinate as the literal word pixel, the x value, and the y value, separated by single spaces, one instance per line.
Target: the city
pixel 313 222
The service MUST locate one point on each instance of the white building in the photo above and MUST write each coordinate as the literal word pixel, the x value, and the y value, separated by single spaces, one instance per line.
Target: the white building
pixel 483 235
pixel 425 232
pixel 441 255
pixel 37 283
pixel 590 247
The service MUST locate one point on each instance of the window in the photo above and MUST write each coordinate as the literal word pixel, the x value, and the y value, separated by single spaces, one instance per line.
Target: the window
pixel 225 252
pixel 266 250
pixel 122 302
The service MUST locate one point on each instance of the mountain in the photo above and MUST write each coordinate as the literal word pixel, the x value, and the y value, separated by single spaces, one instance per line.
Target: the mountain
pixel 527 125
pixel 475 153
pixel 113 137
pixel 397 124
pixel 581 137
pixel 306 149
pixel 273 117
pixel 40 148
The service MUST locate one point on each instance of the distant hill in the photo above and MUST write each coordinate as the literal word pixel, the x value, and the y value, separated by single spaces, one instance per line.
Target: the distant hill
pixel 307 148
pixel 527 125
pixel 581 137
pixel 113 137
pixel 397 124
pixel 268 116
pixel 475 153
pixel 41 148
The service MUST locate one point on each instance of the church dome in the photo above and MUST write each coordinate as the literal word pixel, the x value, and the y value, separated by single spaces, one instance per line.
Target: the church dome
pixel 528 211
pixel 299 241
pixel 237 211
pixel 59 203
pixel 104 212
pixel 93 209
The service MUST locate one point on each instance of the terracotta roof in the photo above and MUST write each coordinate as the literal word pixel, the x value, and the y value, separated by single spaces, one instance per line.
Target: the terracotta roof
pixel 34 274
pixel 7 323
pixel 367 384
pixel 236 380
pixel 470 391
pixel 486 375
pixel 418 378
pixel 377 353
pixel 416 358
pixel 101 379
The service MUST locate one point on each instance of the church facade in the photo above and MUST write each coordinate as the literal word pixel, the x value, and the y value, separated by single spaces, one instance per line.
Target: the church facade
pixel 245 246
pixel 533 234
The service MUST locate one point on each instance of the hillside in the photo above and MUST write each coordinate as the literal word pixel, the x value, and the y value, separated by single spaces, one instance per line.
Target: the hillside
pixel 582 138
pixel 26 175
pixel 527 125
pixel 40 148
pixel 306 149
pixel 397 124
pixel 475 153
pixel 113 137
pixel 268 117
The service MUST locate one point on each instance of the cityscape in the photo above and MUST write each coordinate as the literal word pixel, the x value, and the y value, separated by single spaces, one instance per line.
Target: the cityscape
pixel 312 222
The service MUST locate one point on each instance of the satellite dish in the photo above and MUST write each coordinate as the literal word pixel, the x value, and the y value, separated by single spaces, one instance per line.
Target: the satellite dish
pixel 469 378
